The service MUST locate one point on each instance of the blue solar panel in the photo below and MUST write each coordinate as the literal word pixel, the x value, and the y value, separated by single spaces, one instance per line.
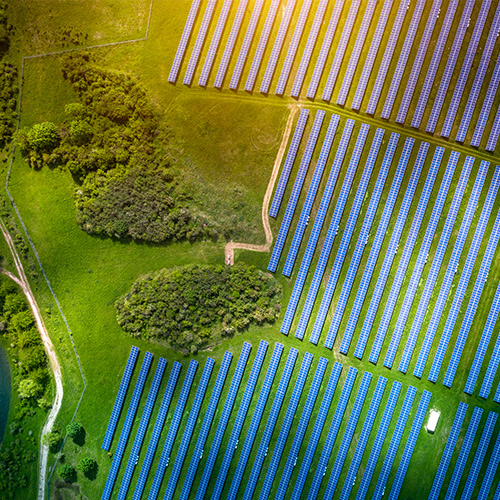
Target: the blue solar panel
pixel 292 48
pixel 214 44
pixel 462 288
pixel 295 194
pixel 466 322
pixel 448 451
pixel 436 265
pixel 360 244
pixel 410 445
pixel 311 195
pixel 388 259
pixel 479 456
pixel 127 426
pixel 188 431
pixel 228 50
pixel 405 52
pixel 386 61
pixel 224 418
pixel 377 445
pixel 403 263
pixel 186 34
pixel 319 423
pixel 245 46
pixel 256 419
pixel 285 428
pixel 332 433
pixel 487 107
pixel 299 436
pixel 120 397
pixel 157 429
pixel 464 454
pixel 450 272
pixel 466 66
pixel 363 439
pixel 334 225
pixel 340 51
pixel 450 66
pixel 239 421
pixel 270 424
pixel 490 471
pixel 394 444
pixel 349 430
pixel 205 426
pixel 372 258
pixel 419 266
pixel 346 235
pixel 172 431
pixel 478 80
pixel 311 42
pixel 495 131
pixel 278 45
pixel 261 47
pixel 372 54
pixel 290 158
pixel 318 223
pixel 200 40
pixel 437 52
pixel 323 54
pixel 141 431
pixel 481 352
pixel 416 64
pixel 356 52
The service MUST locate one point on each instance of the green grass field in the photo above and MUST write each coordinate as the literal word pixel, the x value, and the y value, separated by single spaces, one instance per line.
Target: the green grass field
pixel 228 141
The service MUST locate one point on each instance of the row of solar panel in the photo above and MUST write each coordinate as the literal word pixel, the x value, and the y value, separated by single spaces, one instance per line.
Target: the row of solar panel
pixel 397 76
pixel 390 253
pixel 267 432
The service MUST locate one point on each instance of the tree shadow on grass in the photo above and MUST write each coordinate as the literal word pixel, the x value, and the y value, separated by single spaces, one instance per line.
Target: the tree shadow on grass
pixel 80 439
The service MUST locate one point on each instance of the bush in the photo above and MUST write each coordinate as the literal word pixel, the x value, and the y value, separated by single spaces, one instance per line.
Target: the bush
pixel 43 137
pixel 53 440
pixel 29 389
pixel 86 465
pixel 74 430
pixel 188 306
pixel 67 472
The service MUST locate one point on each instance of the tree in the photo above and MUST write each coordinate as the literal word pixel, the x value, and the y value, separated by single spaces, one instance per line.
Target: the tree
pixel 67 472
pixel 52 440
pixel 28 389
pixel 43 136
pixel 86 465
pixel 80 132
pixel 74 429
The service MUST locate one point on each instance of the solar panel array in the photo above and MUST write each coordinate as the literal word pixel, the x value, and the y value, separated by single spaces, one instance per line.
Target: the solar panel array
pixel 490 471
pixel 157 430
pixel 410 445
pixel 318 223
pixel 419 265
pixel 188 430
pixel 141 431
pixel 205 426
pixel 297 188
pixel 223 421
pixel 297 440
pixel 290 159
pixel 345 36
pixel 127 426
pixel 450 271
pixel 448 451
pixel 120 398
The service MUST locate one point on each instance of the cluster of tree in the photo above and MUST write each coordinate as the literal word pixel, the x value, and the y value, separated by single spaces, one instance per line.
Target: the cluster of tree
pixel 8 82
pixel 31 380
pixel 190 306
pixel 86 465
pixel 114 145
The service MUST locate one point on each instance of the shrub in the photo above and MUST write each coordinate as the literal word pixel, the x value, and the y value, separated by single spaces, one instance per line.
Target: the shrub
pixel 28 389
pixel 86 465
pixel 67 472
pixel 74 429
pixel 53 440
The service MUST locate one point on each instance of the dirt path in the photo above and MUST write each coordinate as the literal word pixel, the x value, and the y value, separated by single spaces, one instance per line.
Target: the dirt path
pixel 231 246
pixel 22 281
